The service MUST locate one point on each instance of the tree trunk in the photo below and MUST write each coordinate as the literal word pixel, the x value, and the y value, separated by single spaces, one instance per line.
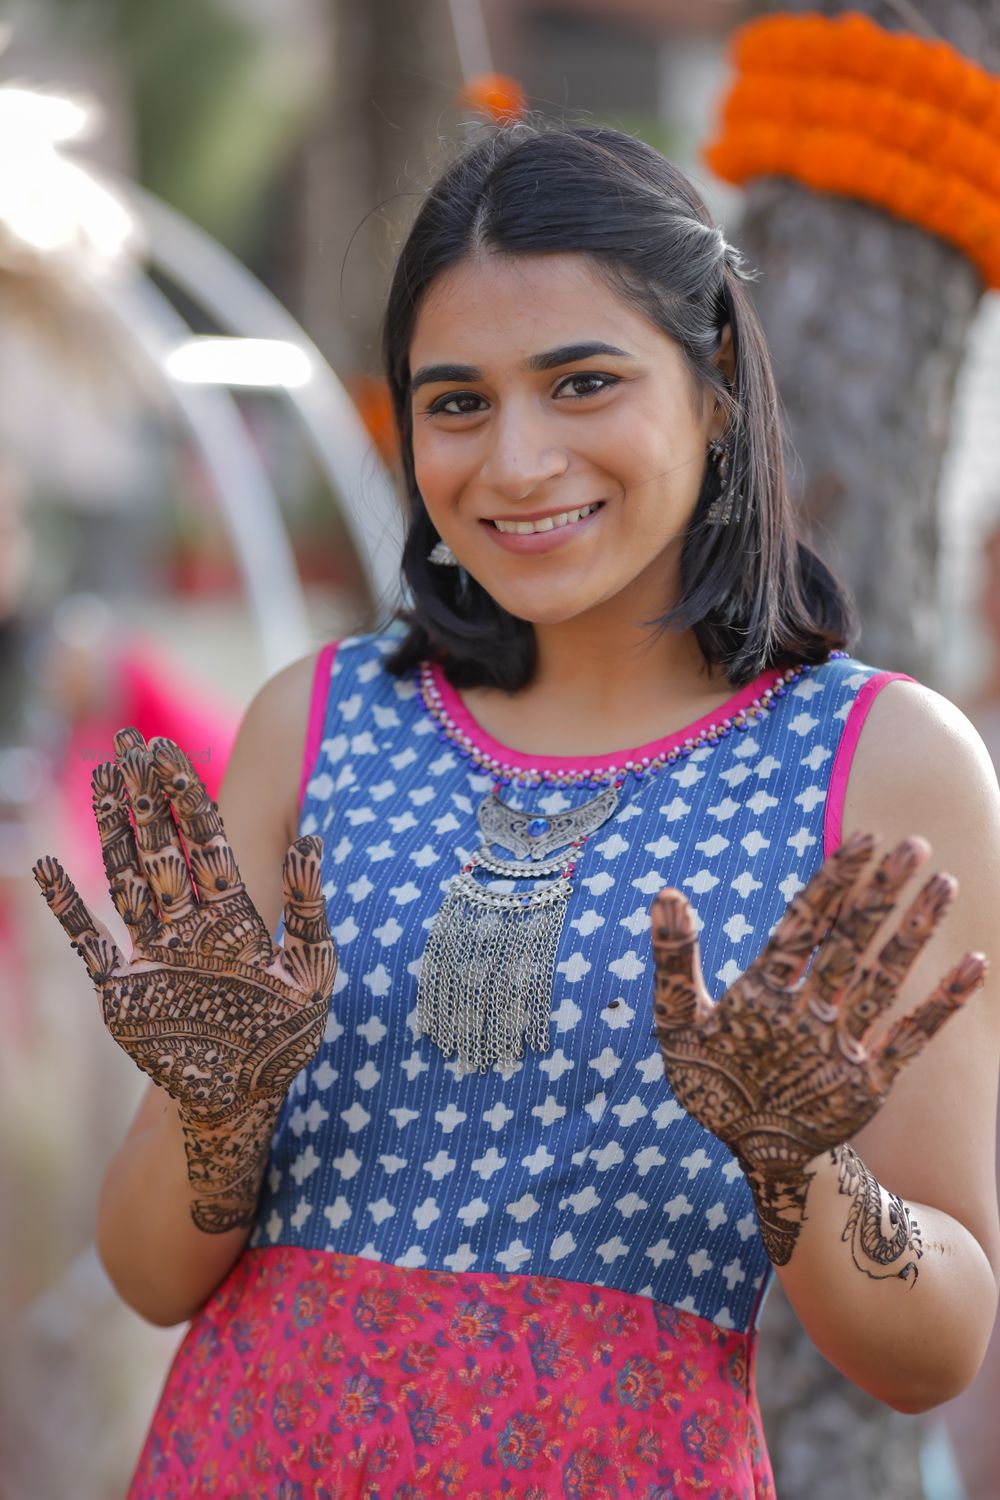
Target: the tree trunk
pixel 867 318
pixel 394 75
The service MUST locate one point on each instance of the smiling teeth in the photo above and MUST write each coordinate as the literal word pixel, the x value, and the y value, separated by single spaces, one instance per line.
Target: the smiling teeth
pixel 548 523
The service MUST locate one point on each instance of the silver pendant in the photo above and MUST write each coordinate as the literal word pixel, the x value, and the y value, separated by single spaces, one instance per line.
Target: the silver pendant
pixel 488 968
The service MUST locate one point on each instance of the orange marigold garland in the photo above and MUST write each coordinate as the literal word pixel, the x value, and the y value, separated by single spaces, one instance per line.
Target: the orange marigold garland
pixel 495 95
pixel 848 108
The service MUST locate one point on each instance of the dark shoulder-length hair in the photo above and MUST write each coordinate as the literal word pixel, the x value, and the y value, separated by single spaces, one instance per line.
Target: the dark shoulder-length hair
pixel 754 595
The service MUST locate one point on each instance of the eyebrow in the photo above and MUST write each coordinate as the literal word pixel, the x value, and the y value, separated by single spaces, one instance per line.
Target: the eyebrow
pixel 550 359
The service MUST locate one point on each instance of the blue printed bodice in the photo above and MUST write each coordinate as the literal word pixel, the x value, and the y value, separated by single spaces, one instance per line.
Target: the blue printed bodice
pixel 577 1162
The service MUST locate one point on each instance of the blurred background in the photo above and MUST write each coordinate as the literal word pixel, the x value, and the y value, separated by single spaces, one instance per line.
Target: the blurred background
pixel 200 204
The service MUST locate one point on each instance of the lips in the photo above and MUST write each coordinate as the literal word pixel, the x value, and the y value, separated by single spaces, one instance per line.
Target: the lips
pixel 529 527
pixel 542 533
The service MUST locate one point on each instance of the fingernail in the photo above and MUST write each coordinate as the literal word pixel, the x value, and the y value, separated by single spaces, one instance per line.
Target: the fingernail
pixel 860 846
pixel 971 970
pixel 905 857
pixel 941 889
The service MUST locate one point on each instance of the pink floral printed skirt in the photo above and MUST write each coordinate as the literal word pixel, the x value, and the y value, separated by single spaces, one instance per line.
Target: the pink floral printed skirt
pixel 312 1375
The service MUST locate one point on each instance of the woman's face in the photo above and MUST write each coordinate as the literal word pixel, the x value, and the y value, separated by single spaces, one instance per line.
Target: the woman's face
pixel 561 474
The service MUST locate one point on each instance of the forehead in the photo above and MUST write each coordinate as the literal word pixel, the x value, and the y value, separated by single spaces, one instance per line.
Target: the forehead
pixel 490 307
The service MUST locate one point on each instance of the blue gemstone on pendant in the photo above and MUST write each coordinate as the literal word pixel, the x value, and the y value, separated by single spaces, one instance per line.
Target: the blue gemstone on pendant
pixel 537 827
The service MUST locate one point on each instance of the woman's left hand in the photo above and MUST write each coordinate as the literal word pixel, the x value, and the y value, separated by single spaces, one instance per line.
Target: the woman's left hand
pixel 785 1065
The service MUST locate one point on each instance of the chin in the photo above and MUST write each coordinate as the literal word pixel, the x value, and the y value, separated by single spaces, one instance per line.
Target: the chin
pixel 543 611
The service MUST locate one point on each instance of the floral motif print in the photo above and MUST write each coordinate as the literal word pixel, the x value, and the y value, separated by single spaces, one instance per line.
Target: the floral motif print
pixel 314 1375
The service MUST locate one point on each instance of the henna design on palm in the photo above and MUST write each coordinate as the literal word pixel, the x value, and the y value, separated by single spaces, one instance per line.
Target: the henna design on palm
pixel 207 1005
pixel 784 1066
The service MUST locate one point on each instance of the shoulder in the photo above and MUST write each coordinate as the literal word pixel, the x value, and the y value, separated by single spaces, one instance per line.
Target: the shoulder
pixel 920 767
pixel 913 740
pixel 285 719
pixel 271 742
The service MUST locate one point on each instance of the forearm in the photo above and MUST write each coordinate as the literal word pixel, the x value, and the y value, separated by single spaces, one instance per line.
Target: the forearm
pixel 152 1235
pixel 900 1300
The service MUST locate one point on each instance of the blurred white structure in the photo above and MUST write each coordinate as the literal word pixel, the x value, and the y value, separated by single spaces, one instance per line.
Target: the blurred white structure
pixel 61 224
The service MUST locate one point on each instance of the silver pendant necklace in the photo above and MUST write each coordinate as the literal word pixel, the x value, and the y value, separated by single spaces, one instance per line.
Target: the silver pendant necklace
pixel 487 973
pixel 488 968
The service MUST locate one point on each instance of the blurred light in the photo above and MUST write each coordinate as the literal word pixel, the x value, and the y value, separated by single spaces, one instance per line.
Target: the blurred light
pixel 49 206
pixel 82 620
pixel 22 775
pixel 236 362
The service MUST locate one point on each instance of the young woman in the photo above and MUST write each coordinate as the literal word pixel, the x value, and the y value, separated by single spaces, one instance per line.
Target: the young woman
pixel 630 1011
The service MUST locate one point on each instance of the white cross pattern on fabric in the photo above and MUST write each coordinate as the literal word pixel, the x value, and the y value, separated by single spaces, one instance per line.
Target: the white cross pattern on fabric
pixel 585 1132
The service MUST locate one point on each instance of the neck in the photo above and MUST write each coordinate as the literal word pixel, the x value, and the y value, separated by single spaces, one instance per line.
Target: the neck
pixel 602 686
pixel 587 663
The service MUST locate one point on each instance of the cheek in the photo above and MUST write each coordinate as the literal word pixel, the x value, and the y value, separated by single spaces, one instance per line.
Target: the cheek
pixel 439 468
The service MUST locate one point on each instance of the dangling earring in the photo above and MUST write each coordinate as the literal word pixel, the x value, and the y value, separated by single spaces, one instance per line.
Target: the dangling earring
pixel 720 512
pixel 442 554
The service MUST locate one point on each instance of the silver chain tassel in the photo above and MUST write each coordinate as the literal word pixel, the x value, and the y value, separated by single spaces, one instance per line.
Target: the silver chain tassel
pixel 488 969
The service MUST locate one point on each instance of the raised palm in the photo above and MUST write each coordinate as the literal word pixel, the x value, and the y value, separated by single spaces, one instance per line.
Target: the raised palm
pixel 207 1005
pixel 785 1064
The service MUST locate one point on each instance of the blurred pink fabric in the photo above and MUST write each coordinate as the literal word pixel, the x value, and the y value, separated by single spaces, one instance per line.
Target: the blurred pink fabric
pixel 148 692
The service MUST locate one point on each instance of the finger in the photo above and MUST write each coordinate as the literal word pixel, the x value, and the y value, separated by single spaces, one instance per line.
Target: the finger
pixel 128 885
pixel 858 923
pixel 862 917
pixel 222 894
pixel 810 913
pixel 213 864
pixel 871 997
pixel 90 938
pixel 160 853
pixel 909 1035
pixel 308 956
pixel 198 817
pixel 680 997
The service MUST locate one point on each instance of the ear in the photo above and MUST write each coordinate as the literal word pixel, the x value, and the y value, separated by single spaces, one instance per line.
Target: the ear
pixel 725 355
pixel 725 358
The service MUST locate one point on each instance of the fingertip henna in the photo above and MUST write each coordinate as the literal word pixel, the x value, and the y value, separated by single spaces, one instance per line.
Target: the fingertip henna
pixel 970 973
pixel 44 870
pixel 106 784
pixel 128 739
pixel 309 846
pixel 858 848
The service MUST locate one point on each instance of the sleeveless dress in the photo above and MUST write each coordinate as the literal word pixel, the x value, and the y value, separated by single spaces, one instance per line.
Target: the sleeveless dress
pixel 540 1280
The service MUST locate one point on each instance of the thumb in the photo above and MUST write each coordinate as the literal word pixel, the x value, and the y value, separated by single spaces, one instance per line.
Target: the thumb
pixel 679 993
pixel 308 956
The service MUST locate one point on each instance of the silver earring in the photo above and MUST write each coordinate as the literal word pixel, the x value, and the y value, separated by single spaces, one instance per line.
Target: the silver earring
pixel 720 512
pixel 442 554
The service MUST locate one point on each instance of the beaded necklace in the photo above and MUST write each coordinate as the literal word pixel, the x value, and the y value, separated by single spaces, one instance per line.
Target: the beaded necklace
pixel 487 972
pixel 648 765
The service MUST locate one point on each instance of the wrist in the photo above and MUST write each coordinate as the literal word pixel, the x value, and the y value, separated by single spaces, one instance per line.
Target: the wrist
pixel 779 1197
pixel 226 1161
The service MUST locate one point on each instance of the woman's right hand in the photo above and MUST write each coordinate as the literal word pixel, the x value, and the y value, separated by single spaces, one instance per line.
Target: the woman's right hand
pixel 207 1005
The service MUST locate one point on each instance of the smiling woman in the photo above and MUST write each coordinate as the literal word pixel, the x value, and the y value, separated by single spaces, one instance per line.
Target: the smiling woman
pixel 592 236
pixel 629 1014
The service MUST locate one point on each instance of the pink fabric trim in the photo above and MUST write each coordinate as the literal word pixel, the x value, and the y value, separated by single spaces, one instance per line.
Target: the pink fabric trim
pixel 844 758
pixel 317 713
pixel 525 760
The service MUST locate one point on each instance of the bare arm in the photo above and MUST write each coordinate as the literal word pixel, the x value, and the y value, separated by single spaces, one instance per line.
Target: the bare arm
pixel 160 1262
pixel 919 768
pixel 858 1090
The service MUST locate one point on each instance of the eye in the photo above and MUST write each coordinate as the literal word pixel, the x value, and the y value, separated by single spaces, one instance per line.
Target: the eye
pixel 443 402
pixel 606 382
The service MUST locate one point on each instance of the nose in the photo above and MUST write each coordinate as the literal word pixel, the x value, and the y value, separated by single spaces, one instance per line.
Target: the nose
pixel 521 456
